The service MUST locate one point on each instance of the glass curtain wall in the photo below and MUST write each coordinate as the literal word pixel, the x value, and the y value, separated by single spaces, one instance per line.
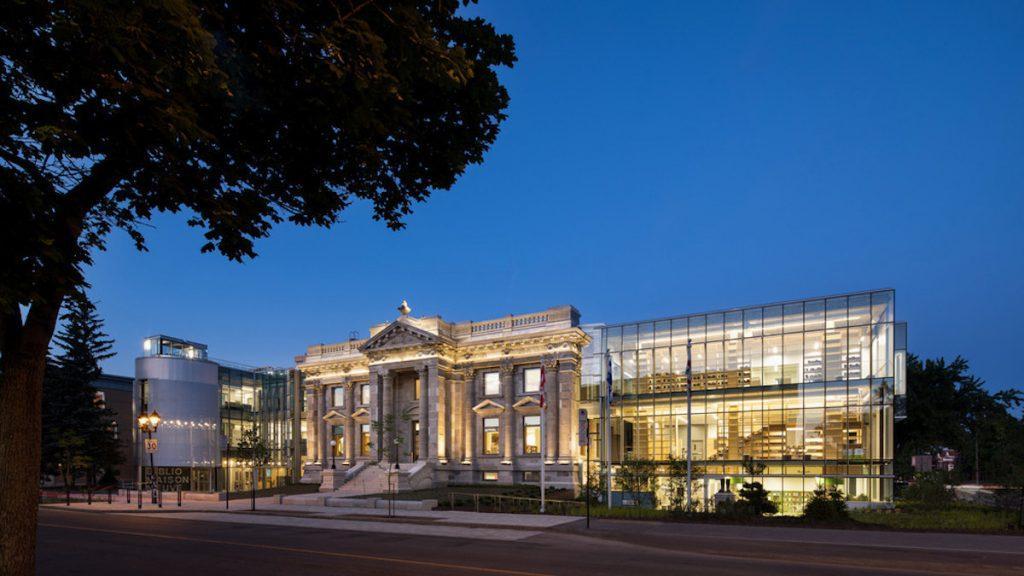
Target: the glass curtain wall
pixel 258 400
pixel 804 387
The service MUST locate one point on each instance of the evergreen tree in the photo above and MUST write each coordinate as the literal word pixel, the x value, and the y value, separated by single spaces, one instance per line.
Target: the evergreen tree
pixel 77 428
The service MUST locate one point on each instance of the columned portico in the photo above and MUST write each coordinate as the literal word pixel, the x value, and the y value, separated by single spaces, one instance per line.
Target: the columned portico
pixel 473 420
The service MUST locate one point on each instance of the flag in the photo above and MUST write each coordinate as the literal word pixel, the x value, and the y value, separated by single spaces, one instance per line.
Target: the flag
pixel 608 379
pixel 542 379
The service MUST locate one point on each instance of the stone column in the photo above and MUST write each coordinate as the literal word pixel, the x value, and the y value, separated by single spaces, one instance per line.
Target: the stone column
pixel 427 425
pixel 567 421
pixel 325 429
pixel 469 420
pixel 375 413
pixel 350 424
pixel 441 441
pixel 387 404
pixel 551 410
pixel 311 436
pixel 508 390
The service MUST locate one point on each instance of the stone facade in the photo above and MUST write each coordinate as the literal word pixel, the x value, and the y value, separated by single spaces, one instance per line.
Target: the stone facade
pixel 441 383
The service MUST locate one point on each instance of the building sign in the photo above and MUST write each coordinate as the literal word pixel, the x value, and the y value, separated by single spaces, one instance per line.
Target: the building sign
pixel 151 445
pixel 584 428
pixel 170 477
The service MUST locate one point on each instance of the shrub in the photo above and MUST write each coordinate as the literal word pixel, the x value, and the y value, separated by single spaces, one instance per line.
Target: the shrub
pixel 755 499
pixel 827 505
pixel 929 489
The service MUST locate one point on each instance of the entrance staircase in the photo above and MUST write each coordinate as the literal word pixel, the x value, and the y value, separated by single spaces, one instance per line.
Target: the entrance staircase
pixel 372 479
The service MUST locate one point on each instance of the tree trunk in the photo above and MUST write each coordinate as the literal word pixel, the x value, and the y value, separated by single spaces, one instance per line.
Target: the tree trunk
pixel 20 449
pixel 22 367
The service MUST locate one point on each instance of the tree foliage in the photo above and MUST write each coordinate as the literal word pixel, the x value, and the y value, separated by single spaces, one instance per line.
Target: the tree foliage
pixel 754 498
pixel 949 407
pixel 241 115
pixel 827 504
pixel 78 431
pixel 637 476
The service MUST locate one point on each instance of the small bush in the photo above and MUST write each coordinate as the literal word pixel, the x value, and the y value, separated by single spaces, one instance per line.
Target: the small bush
pixel 929 489
pixel 755 499
pixel 827 505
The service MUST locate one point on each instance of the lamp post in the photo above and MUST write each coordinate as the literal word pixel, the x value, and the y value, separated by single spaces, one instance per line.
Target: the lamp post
pixel 333 452
pixel 148 423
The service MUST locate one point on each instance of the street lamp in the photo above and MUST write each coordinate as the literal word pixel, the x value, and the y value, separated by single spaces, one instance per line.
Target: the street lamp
pixel 148 423
pixel 333 452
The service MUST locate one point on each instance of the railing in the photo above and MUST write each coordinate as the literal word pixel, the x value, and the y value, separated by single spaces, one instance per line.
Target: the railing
pixel 90 494
pixel 509 323
pixel 515 504
pixel 348 347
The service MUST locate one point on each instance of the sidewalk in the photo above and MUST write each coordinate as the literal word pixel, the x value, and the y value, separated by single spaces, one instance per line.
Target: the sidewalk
pixel 360 518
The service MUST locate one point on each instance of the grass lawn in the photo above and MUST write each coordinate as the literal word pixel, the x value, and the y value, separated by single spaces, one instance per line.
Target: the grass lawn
pixel 957 517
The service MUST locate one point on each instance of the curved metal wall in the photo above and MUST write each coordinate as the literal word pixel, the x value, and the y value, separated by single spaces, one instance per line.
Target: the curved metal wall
pixel 186 393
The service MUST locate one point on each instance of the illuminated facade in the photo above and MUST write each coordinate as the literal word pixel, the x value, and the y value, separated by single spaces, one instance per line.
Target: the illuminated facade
pixel 206 406
pixel 808 390
pixel 463 397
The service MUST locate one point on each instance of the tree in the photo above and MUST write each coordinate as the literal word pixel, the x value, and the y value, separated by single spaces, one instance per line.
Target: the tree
pixel 754 499
pixel 254 451
pixel 636 476
pixel 389 451
pixel 240 115
pixel 949 407
pixel 78 430
pixel 826 505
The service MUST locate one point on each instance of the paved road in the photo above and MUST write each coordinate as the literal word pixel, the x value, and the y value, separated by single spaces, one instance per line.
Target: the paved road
pixel 72 542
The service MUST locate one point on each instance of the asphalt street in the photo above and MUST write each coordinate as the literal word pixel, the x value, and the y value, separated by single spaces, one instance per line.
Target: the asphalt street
pixel 75 542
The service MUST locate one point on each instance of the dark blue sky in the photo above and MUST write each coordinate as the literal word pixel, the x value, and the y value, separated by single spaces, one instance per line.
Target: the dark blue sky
pixel 663 161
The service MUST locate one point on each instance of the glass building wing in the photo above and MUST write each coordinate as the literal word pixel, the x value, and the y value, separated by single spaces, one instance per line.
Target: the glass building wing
pixel 806 387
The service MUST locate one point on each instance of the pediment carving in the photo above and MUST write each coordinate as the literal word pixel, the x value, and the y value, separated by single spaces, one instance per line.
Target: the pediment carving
pixel 529 405
pixel 488 408
pixel 335 417
pixel 398 335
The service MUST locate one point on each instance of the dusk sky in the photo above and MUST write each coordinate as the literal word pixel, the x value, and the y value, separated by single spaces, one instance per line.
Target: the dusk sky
pixel 663 161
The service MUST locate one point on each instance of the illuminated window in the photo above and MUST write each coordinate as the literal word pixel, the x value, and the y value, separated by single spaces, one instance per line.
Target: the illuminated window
pixel 531 434
pixel 531 380
pixel 364 439
pixel 490 476
pixel 416 390
pixel 492 384
pixel 338 394
pixel 338 435
pixel 364 394
pixel 491 436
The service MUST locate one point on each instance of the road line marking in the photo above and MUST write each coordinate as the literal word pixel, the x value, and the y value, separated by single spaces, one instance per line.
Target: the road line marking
pixel 303 550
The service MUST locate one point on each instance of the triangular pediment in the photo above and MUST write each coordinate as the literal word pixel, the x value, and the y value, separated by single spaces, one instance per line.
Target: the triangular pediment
pixel 488 408
pixel 399 334
pixel 361 415
pixel 528 405
pixel 335 417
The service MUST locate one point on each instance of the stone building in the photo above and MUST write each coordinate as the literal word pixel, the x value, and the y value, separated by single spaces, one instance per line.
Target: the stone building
pixel 453 402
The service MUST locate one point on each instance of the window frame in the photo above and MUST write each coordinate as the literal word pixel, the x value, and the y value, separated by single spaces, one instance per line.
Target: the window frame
pixel 526 428
pixel 526 380
pixel 487 428
pixel 496 382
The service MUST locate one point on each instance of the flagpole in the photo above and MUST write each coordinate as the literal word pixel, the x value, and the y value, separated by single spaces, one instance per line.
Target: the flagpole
pixel 689 441
pixel 607 406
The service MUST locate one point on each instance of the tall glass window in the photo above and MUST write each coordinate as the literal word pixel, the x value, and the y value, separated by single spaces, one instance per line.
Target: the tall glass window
pixel 491 436
pixel 531 434
pixel 338 396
